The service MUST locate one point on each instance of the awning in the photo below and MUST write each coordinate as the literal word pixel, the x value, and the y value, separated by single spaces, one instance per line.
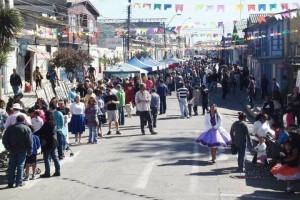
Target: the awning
pixel 40 55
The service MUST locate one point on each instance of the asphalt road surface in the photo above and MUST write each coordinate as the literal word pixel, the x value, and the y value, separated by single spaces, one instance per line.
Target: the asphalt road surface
pixel 154 167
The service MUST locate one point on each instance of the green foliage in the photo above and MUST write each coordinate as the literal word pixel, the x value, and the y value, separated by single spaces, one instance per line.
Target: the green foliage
pixel 11 22
pixel 71 59
pixel 142 54
pixel 110 61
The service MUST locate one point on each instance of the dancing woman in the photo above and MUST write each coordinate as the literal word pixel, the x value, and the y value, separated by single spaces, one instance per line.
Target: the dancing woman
pixel 215 135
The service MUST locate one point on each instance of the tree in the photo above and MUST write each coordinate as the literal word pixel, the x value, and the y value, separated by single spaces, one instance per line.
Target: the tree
pixel 71 60
pixel 11 22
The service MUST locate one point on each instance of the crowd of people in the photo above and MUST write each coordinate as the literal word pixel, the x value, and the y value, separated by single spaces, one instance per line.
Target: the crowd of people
pixel 91 103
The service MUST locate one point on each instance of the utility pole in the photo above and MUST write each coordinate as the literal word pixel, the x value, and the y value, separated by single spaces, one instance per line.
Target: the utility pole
pixel 128 29
pixel 165 42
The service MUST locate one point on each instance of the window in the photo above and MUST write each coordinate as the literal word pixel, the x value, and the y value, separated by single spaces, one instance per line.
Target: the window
pixel 73 22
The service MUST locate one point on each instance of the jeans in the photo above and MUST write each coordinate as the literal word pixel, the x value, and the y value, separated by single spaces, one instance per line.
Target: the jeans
pixel 61 143
pixel 121 115
pixel 241 149
pixel 183 105
pixel 190 109
pixel 195 108
pixel 93 134
pixel 16 161
pixel 163 104
pixel 51 153
pixel 154 115
pixel 53 85
pixel 204 106
pixel 145 116
pixel 38 83
pixel 251 98
pixel 15 90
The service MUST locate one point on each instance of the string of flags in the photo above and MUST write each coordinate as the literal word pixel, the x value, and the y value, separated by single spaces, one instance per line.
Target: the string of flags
pixel 272 7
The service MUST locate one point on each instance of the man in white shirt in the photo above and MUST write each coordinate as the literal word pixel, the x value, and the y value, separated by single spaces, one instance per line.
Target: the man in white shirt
pixel 11 120
pixel 142 100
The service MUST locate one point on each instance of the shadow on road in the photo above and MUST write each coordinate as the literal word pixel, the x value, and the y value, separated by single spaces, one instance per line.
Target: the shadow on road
pixel 187 162
pixel 215 172
pixel 268 195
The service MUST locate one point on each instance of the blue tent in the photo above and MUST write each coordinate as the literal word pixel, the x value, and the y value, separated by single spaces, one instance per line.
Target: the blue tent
pixel 135 62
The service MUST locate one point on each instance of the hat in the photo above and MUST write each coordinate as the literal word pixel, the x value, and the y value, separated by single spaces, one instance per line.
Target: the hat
pixel 118 86
pixel 17 106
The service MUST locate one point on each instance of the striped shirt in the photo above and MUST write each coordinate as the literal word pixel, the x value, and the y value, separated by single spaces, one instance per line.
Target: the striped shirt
pixel 182 92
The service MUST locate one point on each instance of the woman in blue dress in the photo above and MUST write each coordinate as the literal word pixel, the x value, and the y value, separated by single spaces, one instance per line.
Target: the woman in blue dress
pixel 215 135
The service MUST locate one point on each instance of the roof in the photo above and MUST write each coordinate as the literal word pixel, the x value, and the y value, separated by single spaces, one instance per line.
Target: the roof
pixel 135 62
pixel 241 25
pixel 50 10
pixel 124 69
pixel 253 18
pixel 89 6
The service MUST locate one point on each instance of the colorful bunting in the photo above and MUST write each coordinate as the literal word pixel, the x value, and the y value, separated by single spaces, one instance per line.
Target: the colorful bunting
pixel 262 7
pixel 261 19
pixel 220 8
pixel 199 6
pixel 147 5
pixel 220 24
pixel 157 6
pixel 179 7
pixel 239 7
pixel 167 6
pixel 273 7
pixel 209 8
pixel 251 7
pixel 284 6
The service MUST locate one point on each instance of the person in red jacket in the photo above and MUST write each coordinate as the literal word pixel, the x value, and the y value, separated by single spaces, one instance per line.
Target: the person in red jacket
pixel 129 94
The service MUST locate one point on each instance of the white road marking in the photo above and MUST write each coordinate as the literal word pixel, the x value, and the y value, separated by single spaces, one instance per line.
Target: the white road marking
pixel 142 181
pixel 29 184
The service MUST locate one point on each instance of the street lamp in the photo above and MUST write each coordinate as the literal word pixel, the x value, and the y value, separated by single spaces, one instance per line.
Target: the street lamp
pixel 165 39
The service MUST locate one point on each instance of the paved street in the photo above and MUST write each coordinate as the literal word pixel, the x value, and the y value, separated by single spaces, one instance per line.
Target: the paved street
pixel 156 167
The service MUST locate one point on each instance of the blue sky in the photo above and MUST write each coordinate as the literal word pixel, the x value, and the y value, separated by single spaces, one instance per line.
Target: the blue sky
pixel 117 9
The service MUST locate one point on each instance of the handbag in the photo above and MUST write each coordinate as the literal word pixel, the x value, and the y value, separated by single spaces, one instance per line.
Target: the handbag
pixel 233 149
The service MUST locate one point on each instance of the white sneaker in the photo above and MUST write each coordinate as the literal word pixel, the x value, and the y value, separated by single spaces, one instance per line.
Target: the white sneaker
pixel 33 177
pixel 26 178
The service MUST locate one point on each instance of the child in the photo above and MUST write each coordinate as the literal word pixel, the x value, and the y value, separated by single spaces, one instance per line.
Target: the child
pixel 261 150
pixel 289 117
pixel 31 159
pixel 283 135
pixel 289 169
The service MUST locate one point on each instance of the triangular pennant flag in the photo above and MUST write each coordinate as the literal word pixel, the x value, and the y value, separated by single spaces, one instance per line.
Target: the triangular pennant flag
pixel 220 8
pixel 209 8
pixel 286 15
pixel 251 7
pixel 220 24
pixel 199 6
pixel 213 24
pixel 157 6
pixel 167 6
pixel 147 5
pixel 178 7
pixel 197 23
pixel 293 14
pixel 262 7
pixel 178 28
pixel 137 5
pixel 173 28
pixel 284 6
pixel 273 6
pixel 278 16
pixel 228 34
pixel 261 19
pixel 240 7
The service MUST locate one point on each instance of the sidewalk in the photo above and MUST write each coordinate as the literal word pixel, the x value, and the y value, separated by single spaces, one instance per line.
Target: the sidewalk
pixel 28 99
pixel 243 98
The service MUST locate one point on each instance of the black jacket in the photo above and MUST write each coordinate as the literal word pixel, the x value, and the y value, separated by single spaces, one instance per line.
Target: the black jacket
pixel 48 137
pixel 15 80
pixel 18 138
